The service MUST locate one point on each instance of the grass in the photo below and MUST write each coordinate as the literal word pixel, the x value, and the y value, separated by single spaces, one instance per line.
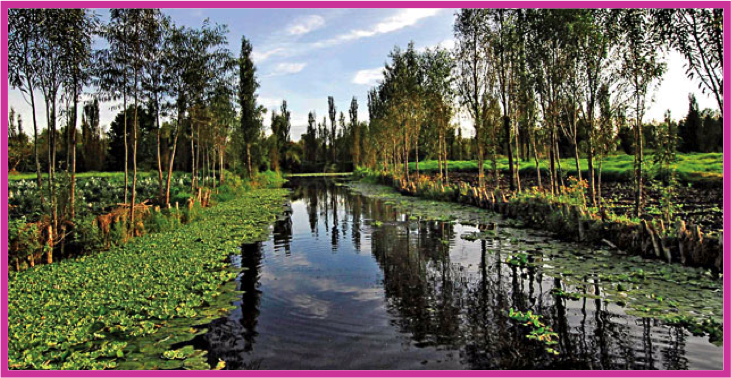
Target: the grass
pixel 80 175
pixel 693 167
pixel 322 174
pixel 87 312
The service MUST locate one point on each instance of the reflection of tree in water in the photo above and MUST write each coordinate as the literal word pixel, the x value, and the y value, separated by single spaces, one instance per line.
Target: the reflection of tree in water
pixel 439 304
pixel 443 304
pixel 228 339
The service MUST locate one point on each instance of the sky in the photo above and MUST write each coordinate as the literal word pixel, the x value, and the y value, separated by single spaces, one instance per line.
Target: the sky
pixel 305 55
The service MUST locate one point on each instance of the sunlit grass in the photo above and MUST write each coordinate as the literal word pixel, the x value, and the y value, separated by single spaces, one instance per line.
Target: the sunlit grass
pixel 691 167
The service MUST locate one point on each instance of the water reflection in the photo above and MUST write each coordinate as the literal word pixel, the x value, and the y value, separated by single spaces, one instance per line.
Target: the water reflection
pixel 334 290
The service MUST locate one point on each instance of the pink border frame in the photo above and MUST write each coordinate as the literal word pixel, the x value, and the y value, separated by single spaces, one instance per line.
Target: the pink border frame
pixel 725 5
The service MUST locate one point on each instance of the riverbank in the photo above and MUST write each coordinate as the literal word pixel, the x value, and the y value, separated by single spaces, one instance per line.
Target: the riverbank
pixel 568 218
pixel 670 294
pixel 88 312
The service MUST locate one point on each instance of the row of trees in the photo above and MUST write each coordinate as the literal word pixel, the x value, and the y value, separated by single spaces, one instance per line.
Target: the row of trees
pixel 172 85
pixel 532 78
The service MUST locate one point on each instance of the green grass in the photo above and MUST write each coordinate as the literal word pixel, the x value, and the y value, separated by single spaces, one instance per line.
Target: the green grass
pixel 89 312
pixel 694 167
pixel 120 175
pixel 321 174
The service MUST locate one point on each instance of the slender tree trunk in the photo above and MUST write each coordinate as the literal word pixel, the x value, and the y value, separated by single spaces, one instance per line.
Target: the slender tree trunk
pixel 248 161
pixel 126 148
pixel 559 173
pixel 39 179
pixel 72 191
pixel 509 150
pixel 535 157
pixel 552 165
pixel 638 168
pixel 590 166
pixel 171 162
pixel 192 161
pixel 159 158
pixel 446 160
pixel 480 158
pixel 132 223
pixel 517 155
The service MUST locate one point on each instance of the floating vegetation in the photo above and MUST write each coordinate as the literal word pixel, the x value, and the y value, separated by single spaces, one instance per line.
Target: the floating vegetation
pixel 677 295
pixel 538 330
pixel 124 308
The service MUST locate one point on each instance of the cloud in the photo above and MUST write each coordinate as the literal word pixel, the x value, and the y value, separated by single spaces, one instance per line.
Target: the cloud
pixel 403 18
pixel 306 24
pixel 368 77
pixel 287 68
pixel 262 56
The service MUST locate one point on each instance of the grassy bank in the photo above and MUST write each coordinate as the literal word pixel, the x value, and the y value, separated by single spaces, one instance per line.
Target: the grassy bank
pixel 690 168
pixel 85 313
pixel 568 217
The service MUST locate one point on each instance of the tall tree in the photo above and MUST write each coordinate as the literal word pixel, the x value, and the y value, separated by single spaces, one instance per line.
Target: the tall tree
pixel 250 119
pixel 24 66
pixel 698 34
pixel 642 70
pixel 331 111
pixel 355 130
pixel 80 25
pixel 472 64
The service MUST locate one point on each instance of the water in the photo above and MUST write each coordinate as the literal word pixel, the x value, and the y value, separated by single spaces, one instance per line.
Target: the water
pixel 332 289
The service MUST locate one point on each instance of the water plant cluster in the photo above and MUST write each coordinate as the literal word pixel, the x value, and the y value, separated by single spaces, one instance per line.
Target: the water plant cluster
pixel 539 331
pixel 677 295
pixel 88 312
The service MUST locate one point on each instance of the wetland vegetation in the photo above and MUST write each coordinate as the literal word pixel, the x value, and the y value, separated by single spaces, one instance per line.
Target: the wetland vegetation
pixel 505 204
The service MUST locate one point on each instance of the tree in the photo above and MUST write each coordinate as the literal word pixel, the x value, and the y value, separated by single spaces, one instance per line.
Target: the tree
pixel 472 63
pixel 80 26
pixel 24 66
pixel 333 127
pixel 355 130
pixel 642 70
pixel 310 138
pixel 439 96
pixel 502 41
pixel 698 34
pixel 91 137
pixel 250 119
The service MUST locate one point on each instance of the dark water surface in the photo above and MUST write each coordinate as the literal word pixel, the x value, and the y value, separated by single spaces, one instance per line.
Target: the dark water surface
pixel 334 289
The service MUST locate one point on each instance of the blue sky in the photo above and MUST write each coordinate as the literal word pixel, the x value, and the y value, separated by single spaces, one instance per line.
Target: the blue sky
pixel 306 55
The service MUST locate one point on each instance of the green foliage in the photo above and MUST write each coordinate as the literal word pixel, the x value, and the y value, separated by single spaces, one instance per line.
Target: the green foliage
pixel 538 329
pixel 691 167
pixel 82 313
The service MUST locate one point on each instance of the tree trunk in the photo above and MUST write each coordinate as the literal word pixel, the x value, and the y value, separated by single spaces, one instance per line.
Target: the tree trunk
pixel 535 157
pixel 248 161
pixel 509 150
pixel 126 148
pixel 159 159
pixel 171 162
pixel 590 166
pixel 517 155
pixel 72 191
pixel 134 167
pixel 39 179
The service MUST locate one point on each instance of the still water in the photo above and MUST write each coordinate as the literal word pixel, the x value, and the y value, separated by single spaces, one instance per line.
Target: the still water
pixel 352 282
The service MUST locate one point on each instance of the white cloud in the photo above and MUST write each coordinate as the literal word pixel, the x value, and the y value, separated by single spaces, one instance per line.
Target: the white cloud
pixel 287 68
pixel 403 18
pixel 259 57
pixel 368 77
pixel 306 24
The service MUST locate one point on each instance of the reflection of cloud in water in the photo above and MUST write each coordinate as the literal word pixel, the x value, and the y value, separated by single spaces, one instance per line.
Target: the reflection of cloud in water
pixel 312 306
